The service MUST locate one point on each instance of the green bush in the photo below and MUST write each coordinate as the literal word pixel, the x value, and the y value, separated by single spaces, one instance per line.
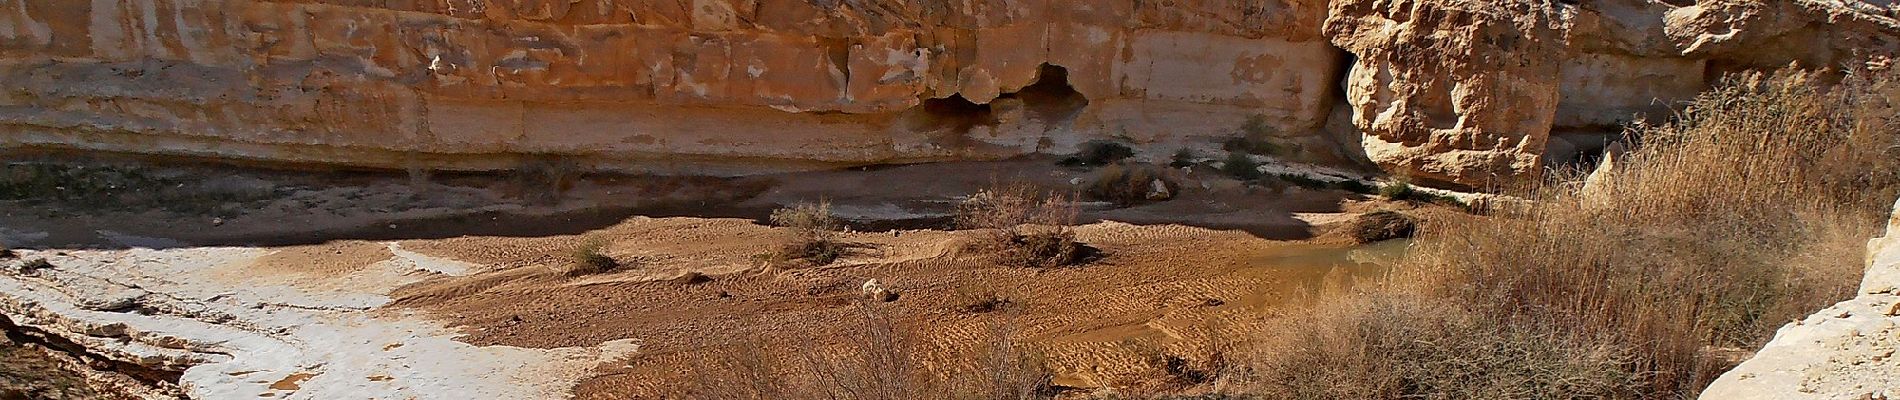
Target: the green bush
pixel 1241 166
pixel 1098 153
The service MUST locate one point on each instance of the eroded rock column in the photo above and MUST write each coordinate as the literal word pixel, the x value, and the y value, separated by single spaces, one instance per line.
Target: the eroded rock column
pixel 1451 92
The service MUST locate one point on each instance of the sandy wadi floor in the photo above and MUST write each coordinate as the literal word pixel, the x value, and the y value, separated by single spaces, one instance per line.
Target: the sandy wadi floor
pixel 450 289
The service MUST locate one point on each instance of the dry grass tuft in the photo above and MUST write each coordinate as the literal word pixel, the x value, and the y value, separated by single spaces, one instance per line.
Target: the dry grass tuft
pixel 1710 232
pixel 1128 184
pixel 1029 228
pixel 587 259
pixel 1392 346
pixel 814 235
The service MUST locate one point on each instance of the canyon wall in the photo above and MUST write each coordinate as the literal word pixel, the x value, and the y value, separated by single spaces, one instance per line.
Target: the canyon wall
pixel 701 85
pixel 1459 92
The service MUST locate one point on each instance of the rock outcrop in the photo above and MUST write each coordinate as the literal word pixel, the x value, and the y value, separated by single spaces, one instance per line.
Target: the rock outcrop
pixel 1471 92
pixel 1452 91
pixel 1462 92
pixel 1843 352
pixel 702 85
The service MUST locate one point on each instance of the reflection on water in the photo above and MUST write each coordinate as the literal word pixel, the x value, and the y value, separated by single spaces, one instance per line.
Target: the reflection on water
pixel 1313 269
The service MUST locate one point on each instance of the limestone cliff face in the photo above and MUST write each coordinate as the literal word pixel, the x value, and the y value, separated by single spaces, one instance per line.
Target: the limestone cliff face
pixel 698 85
pixel 1453 91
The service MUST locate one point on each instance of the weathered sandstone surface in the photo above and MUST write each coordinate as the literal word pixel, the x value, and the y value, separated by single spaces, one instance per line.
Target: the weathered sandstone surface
pixel 1453 91
pixel 697 85
pixel 1842 352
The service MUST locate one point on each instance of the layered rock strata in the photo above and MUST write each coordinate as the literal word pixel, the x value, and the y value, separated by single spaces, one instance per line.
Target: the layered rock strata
pixel 1462 92
pixel 703 85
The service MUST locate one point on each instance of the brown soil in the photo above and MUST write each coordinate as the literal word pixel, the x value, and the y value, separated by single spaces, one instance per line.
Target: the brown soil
pixel 1169 288
pixel 1181 278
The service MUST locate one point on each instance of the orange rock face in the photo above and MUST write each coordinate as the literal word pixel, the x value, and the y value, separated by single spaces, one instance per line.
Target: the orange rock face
pixel 1459 92
pixel 1469 93
pixel 700 85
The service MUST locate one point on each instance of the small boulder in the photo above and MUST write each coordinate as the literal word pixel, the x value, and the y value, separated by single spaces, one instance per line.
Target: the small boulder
pixel 877 292
pixel 1158 190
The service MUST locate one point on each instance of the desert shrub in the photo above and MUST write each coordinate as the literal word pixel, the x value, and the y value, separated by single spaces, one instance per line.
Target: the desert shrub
pixel 1256 136
pixel 1380 226
pixel 1099 152
pixel 1241 166
pixel 1750 211
pixel 1185 157
pixel 980 300
pixel 587 259
pixel 1402 190
pixel 1027 228
pixel 1129 184
pixel 814 233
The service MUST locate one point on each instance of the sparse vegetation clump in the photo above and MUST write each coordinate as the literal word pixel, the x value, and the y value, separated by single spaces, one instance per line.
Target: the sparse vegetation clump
pixel 1394 346
pixel 1402 190
pixel 1099 153
pixel 588 259
pixel 978 301
pixel 121 188
pixel 1028 228
pixel 814 233
pixel 1241 166
pixel 1183 158
pixel 1257 136
pixel 1129 184
pixel 1712 231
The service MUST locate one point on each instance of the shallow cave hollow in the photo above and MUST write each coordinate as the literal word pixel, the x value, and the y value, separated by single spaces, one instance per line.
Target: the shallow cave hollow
pixel 1050 99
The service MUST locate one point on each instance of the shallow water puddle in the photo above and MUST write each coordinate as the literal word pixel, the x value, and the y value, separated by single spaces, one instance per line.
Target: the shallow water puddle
pixel 1310 270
